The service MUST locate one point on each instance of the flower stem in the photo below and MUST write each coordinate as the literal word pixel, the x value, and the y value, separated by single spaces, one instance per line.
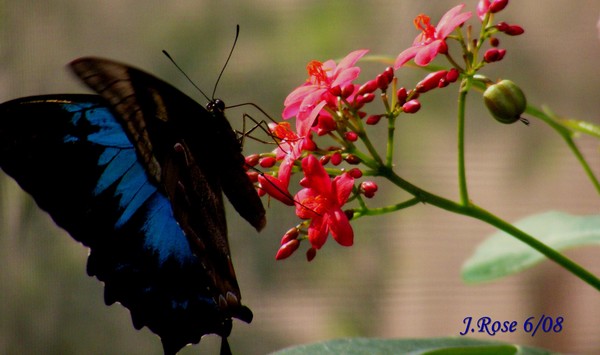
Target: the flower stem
pixel 479 213
pixel 387 209
pixel 462 175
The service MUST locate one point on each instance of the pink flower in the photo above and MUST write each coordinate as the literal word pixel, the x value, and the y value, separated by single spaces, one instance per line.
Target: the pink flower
pixel 432 40
pixel 321 201
pixel 306 101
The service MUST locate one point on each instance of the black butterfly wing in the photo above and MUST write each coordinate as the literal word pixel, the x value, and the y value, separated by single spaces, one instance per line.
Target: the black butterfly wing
pixel 157 116
pixel 72 155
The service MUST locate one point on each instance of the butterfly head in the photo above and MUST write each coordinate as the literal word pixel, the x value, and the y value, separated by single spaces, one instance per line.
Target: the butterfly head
pixel 216 105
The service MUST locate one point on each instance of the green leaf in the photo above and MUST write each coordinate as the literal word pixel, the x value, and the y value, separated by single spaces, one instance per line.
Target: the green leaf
pixel 501 254
pixel 426 346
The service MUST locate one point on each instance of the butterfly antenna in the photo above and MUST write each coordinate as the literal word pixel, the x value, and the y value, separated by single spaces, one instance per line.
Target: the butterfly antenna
pixel 237 34
pixel 184 74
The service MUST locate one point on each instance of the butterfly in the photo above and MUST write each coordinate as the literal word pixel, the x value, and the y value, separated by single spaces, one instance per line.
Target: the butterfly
pixel 137 174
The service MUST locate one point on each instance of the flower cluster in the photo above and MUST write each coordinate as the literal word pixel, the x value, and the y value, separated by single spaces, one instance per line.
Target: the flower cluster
pixel 330 103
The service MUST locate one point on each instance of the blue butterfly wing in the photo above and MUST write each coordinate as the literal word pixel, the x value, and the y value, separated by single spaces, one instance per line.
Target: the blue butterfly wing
pixel 73 156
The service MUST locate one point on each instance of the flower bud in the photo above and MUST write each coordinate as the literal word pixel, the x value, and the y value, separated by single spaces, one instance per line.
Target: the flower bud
pixel 310 254
pixel 431 81
pixel 267 162
pixel 287 249
pixel 389 73
pixel 382 82
pixel 335 91
pixel 352 159
pixel 452 75
pixel 505 101
pixel 336 158
pixel 411 106
pixel 367 87
pixel 494 55
pixel 368 188
pixel 355 173
pixel 401 94
pixel 373 119
pixel 290 235
pixel 497 5
pixel 347 90
pixel 252 159
pixel 351 136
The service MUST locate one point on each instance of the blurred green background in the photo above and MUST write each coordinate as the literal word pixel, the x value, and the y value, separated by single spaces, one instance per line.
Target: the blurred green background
pixel 401 278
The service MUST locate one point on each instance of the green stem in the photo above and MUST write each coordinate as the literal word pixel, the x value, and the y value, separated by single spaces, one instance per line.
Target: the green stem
pixel 387 209
pixel 566 134
pixel 462 175
pixel 479 213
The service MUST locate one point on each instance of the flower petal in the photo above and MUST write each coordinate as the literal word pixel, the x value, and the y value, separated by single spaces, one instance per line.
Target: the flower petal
pixel 405 56
pixel 451 20
pixel 350 60
pixel 317 177
pixel 305 122
pixel 428 52
pixel 342 187
pixel 318 231
pixel 340 227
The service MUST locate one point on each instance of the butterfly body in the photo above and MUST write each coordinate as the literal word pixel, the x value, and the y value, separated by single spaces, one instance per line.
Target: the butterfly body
pixel 137 175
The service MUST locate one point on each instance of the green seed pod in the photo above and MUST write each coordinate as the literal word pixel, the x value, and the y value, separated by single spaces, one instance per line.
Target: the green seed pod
pixel 506 101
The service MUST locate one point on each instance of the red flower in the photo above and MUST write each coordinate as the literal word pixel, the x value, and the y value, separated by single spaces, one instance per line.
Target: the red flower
pixel 433 39
pixel 306 101
pixel 321 201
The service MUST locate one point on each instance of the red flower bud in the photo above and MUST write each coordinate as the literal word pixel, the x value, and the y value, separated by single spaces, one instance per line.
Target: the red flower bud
pixel 494 55
pixel 511 30
pixel 267 162
pixel 355 173
pixel 335 91
pixel 324 159
pixel 373 119
pixel 367 87
pixel 382 82
pixel 502 26
pixel 336 158
pixel 497 5
pixel 431 81
pixel 368 188
pixel 411 106
pixel 514 30
pixel 252 160
pixel 401 95
pixel 452 75
pixel 389 73
pixel 310 254
pixel 352 159
pixel 360 100
pixel 347 90
pixel 351 136
pixel 287 249
pixel 494 42
pixel 290 235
